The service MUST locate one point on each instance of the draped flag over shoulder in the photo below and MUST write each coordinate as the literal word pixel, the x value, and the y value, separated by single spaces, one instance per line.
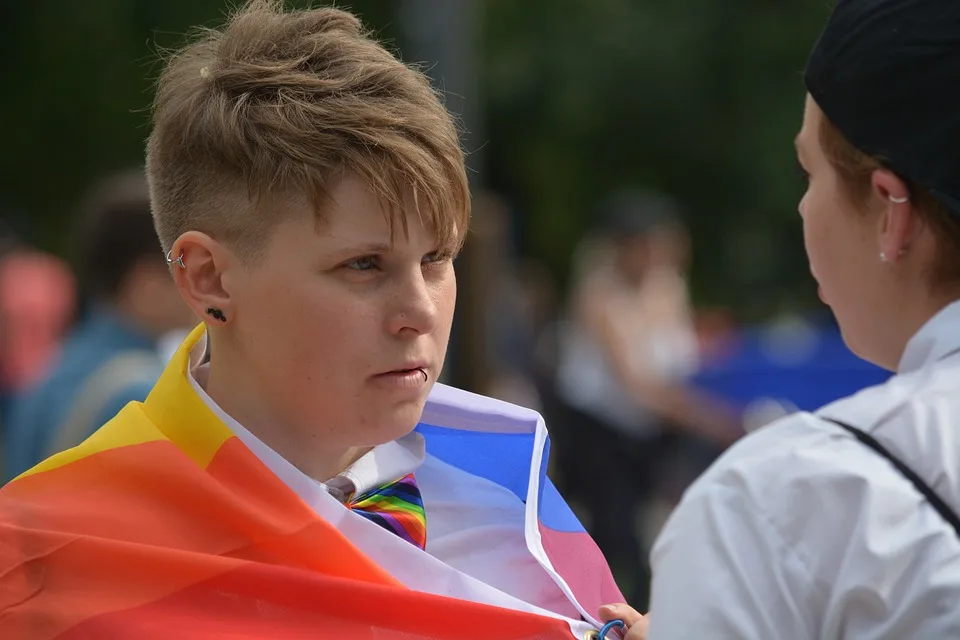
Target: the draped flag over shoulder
pixel 164 525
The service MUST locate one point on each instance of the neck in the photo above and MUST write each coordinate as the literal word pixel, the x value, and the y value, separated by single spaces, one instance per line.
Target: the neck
pixel 303 446
pixel 914 308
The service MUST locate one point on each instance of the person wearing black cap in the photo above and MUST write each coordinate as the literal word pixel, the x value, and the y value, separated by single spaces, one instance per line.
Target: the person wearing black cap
pixel 842 523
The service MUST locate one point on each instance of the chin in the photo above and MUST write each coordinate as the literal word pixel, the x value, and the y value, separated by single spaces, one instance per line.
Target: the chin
pixel 394 423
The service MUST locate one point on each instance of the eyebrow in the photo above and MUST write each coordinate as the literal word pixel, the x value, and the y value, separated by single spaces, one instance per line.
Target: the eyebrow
pixel 370 247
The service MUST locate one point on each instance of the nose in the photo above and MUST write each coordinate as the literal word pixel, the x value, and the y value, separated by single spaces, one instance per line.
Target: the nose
pixel 414 309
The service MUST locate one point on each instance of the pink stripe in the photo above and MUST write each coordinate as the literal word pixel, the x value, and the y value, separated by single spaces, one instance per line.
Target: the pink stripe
pixel 576 557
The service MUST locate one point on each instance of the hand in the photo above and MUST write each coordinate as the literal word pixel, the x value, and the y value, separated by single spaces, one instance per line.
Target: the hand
pixel 636 624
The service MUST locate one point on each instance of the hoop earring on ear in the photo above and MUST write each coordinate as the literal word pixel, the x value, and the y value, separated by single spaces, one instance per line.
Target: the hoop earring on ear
pixel 175 261
pixel 902 200
pixel 216 314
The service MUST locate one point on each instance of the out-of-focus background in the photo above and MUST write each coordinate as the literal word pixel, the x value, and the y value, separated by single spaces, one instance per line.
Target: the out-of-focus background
pixel 635 269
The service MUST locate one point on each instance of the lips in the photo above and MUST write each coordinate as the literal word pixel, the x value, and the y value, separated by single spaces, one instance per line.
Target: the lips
pixel 403 372
pixel 407 370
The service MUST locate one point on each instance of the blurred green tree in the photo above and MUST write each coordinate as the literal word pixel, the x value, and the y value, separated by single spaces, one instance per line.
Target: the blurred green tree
pixel 695 97
pixel 699 98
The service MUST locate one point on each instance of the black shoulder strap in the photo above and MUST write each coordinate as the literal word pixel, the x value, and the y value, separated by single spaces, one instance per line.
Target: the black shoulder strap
pixel 945 511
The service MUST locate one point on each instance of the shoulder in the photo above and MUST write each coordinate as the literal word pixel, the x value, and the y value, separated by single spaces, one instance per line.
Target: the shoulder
pixel 915 417
pixel 802 504
pixel 901 395
pixel 811 483
pixel 811 450
pixel 790 449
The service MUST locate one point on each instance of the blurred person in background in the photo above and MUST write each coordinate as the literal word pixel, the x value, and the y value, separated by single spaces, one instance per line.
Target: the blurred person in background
pixel 506 304
pixel 37 305
pixel 625 354
pixel 844 523
pixel 111 358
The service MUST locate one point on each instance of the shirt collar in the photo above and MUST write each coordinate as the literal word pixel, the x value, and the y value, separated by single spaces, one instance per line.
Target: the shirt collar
pixel 384 463
pixel 936 339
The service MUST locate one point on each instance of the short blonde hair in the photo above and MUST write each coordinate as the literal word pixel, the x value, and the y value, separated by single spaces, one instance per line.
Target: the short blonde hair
pixel 279 103
pixel 855 169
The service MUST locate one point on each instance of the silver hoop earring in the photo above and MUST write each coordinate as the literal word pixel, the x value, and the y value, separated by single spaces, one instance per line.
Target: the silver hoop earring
pixel 902 200
pixel 176 261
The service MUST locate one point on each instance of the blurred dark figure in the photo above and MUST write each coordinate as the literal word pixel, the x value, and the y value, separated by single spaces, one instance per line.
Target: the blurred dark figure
pixel 111 358
pixel 508 322
pixel 625 353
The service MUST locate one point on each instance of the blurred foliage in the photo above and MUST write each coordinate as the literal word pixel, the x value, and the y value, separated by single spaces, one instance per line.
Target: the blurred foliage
pixel 699 98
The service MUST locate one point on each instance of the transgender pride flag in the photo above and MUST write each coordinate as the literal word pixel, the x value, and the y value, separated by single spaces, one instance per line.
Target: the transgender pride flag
pixel 509 446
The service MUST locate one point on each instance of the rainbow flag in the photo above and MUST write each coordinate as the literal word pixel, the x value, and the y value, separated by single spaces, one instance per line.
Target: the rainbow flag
pixel 164 525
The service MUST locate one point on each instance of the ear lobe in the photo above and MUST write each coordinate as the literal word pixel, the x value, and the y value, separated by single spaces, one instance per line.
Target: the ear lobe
pixel 201 279
pixel 898 217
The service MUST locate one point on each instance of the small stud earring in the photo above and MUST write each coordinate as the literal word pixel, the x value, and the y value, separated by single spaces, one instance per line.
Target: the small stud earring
pixel 216 314
pixel 884 258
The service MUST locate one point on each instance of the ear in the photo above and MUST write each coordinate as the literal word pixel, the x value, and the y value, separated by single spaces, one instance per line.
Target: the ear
pixel 200 273
pixel 899 222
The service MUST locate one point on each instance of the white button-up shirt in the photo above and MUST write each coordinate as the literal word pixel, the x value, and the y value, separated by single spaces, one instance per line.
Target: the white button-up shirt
pixel 800 531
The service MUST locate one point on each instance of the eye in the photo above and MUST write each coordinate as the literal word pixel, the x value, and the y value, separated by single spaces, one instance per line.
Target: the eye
pixel 804 174
pixel 437 257
pixel 366 263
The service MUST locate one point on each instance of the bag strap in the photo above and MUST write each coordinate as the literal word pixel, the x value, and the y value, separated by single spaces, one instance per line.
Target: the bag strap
pixel 935 501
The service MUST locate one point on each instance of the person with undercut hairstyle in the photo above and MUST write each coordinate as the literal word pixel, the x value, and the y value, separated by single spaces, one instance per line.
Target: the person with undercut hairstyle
pixel 297 471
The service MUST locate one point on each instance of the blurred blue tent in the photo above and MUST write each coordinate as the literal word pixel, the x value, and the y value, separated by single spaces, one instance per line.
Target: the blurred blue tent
pixel 794 362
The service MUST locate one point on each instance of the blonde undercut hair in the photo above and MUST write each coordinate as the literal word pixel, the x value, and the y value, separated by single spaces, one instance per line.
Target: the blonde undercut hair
pixel 280 103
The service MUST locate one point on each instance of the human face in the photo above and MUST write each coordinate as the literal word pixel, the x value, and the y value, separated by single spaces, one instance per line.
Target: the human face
pixel 344 328
pixel 633 257
pixel 669 248
pixel 840 240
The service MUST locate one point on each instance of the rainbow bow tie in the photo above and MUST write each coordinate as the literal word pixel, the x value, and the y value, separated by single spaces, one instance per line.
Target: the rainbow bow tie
pixel 397 507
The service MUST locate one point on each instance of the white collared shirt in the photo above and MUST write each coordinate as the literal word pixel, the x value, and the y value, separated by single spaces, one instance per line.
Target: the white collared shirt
pixel 800 531
pixel 473 553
